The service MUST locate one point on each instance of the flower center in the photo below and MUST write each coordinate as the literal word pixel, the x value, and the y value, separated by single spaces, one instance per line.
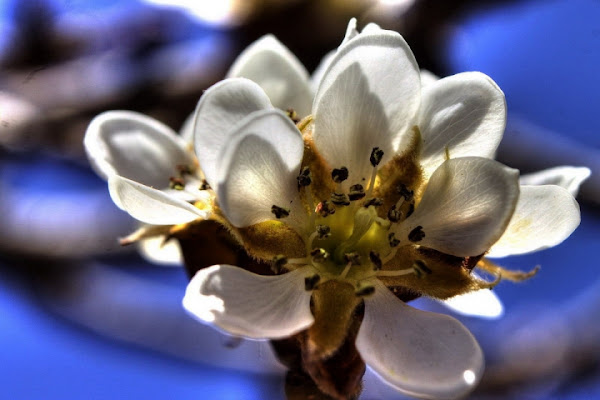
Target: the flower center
pixel 351 242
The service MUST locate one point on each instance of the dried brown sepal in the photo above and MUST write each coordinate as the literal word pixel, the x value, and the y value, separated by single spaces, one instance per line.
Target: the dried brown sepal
pixel 322 185
pixel 300 386
pixel 333 305
pixel 403 169
pixel 339 375
pixel 145 232
pixel 265 240
pixel 502 273
pixel 206 243
pixel 450 276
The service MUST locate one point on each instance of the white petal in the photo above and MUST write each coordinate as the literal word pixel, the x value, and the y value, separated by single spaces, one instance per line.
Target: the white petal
pixel 567 177
pixel 480 303
pixel 150 205
pixel 319 72
pixel 157 251
pixel 187 129
pixel 222 107
pixel 245 304
pixel 135 146
pixel 463 113
pixel 259 168
pixel 421 353
pixel 545 216
pixel 428 77
pixel 351 31
pixel 466 206
pixel 368 98
pixel 270 64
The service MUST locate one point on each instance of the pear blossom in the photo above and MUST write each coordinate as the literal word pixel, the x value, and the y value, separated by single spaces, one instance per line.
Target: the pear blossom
pixel 384 191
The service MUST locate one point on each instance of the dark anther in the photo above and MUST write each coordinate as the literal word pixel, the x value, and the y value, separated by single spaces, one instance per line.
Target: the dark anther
pixel 352 258
pixel 339 175
pixel 411 209
pixel 365 291
pixel 310 282
pixel 417 234
pixel 279 211
pixel 323 231
pixel 375 260
pixel 204 185
pixel 376 156
pixel 319 254
pixel 405 192
pixel 357 192
pixel 325 208
pixel 305 178
pixel 184 170
pixel 394 215
pixel 375 201
pixel 278 263
pixel 340 199
pixel 392 239
pixel 293 115
pixel 176 183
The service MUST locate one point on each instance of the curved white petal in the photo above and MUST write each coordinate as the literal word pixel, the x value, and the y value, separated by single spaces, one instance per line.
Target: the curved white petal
pixel 245 304
pixel 428 77
pixel 368 97
pixel 480 303
pixel 464 114
pixel 135 146
pixel 421 353
pixel 270 64
pixel 567 177
pixel 157 251
pixel 222 107
pixel 466 206
pixel 545 216
pixel 258 169
pixel 187 129
pixel 150 205
pixel 319 72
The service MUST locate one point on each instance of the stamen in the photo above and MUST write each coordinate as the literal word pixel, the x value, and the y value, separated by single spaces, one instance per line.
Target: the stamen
pixel 204 185
pixel 184 170
pixel 310 282
pixel 339 175
pixel 405 192
pixel 411 209
pixel 319 255
pixel 357 192
pixel 375 260
pixel 324 209
pixel 304 180
pixel 305 177
pixel 352 258
pixel 176 183
pixel 399 272
pixel 340 199
pixel 323 231
pixel 376 156
pixel 280 212
pixel 392 239
pixel 394 215
pixel 374 201
pixel 416 235
pixel 293 115
pixel 375 159
pixel 279 261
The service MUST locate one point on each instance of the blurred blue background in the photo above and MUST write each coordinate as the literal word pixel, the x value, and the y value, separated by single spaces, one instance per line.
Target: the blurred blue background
pixel 81 317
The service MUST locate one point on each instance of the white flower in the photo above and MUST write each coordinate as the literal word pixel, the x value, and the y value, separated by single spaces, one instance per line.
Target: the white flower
pixel 389 184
